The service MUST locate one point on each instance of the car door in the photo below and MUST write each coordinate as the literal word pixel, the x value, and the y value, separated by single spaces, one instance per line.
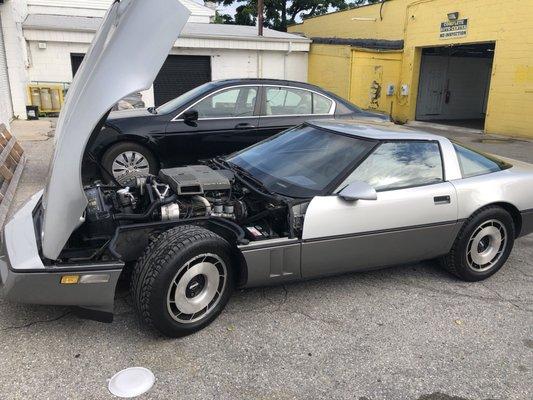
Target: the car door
pixel 227 121
pixel 284 107
pixel 414 217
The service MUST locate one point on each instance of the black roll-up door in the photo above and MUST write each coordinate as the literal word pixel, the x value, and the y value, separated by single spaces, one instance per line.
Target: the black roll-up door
pixel 179 75
pixel 76 59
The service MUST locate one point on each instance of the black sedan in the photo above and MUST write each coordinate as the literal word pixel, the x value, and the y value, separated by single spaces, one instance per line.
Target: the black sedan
pixel 214 119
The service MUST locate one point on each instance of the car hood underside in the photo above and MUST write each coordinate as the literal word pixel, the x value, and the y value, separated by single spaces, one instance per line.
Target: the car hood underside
pixel 125 57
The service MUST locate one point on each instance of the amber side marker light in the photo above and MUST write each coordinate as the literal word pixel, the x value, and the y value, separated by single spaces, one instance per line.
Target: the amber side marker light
pixel 70 279
pixel 89 278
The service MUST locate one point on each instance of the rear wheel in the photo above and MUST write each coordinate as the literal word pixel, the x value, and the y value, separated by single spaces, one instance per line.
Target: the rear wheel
pixel 482 246
pixel 183 280
pixel 127 161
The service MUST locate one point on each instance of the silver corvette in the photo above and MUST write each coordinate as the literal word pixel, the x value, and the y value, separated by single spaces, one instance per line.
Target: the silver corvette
pixel 323 198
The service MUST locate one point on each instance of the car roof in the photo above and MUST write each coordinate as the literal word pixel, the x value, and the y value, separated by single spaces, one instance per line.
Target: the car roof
pixel 265 81
pixel 373 129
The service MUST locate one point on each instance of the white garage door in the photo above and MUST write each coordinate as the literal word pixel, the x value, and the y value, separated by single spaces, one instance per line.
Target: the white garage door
pixel 6 109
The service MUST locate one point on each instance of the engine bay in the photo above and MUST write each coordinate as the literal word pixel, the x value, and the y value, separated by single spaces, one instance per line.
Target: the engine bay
pixel 192 193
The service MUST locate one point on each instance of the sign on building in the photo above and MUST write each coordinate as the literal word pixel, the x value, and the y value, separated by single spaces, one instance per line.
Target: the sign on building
pixel 453 29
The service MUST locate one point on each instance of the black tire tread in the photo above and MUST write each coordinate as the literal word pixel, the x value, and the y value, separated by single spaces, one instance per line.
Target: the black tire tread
pixel 159 252
pixel 449 261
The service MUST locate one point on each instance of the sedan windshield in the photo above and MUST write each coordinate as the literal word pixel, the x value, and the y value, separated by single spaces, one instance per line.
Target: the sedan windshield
pixel 302 162
pixel 186 97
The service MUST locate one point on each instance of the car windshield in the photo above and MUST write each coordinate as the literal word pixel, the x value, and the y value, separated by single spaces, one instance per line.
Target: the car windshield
pixel 302 162
pixel 186 97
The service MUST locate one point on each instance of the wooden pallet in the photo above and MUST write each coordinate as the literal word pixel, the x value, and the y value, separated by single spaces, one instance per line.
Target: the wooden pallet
pixel 12 161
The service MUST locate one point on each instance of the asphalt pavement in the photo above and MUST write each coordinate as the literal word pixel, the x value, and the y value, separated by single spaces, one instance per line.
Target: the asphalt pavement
pixel 408 332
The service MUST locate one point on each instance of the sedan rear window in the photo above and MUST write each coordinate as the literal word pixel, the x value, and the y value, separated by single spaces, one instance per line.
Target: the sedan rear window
pixel 474 163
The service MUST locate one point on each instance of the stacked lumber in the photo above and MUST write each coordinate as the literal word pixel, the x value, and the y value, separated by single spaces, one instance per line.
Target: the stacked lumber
pixel 12 160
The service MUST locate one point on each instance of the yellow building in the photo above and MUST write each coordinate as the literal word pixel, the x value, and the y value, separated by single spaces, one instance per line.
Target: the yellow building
pixel 468 62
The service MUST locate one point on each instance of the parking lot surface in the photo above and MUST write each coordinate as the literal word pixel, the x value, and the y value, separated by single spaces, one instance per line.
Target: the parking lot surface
pixel 409 332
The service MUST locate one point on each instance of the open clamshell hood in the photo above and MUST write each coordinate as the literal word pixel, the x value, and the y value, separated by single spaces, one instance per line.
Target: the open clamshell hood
pixel 126 54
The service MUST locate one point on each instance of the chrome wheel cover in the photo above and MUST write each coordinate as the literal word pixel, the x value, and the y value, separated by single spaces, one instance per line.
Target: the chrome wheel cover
pixel 486 245
pixel 196 288
pixel 130 165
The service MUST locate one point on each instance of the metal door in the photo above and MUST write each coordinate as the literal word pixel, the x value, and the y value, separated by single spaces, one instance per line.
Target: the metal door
pixel 432 85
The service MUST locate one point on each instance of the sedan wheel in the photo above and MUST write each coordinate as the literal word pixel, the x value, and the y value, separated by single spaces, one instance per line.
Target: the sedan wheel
pixel 130 165
pixel 123 162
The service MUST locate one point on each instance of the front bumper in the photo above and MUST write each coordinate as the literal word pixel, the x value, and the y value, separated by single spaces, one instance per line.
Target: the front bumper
pixel 25 279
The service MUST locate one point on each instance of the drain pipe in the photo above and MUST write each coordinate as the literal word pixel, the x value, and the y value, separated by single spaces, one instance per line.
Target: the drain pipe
pixel 289 51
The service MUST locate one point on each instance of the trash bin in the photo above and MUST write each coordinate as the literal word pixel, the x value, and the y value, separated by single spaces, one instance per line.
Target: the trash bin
pixel 32 112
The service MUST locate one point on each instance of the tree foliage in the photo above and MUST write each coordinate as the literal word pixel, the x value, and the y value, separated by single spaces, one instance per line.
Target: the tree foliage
pixel 280 13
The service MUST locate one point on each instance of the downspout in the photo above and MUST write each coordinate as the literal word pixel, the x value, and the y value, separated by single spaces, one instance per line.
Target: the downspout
pixel 289 51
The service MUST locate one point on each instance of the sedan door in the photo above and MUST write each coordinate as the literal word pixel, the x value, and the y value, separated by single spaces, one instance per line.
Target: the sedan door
pixel 227 121
pixel 414 217
pixel 284 107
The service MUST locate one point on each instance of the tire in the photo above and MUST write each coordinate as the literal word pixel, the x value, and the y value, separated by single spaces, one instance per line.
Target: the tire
pixel 476 253
pixel 147 163
pixel 175 277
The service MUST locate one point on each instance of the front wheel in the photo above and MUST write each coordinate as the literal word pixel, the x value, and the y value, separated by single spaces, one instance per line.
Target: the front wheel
pixel 482 246
pixel 183 280
pixel 126 161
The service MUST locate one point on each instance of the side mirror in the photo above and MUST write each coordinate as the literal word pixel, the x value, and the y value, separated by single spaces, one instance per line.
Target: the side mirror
pixel 190 116
pixel 358 191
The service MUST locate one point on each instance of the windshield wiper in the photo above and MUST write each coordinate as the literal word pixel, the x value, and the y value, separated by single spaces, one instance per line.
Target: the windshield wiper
pixel 243 174
pixel 152 110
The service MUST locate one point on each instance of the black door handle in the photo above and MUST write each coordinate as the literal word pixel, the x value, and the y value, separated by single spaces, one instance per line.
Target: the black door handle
pixel 244 125
pixel 442 200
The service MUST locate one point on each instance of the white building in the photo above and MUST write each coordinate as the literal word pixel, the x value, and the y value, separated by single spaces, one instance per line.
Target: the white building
pixel 44 41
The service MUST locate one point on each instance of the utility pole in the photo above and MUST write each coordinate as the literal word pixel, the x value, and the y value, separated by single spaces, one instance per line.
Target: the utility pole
pixel 260 9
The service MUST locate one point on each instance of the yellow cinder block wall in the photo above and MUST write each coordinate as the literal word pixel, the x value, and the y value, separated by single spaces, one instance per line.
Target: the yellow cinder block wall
pixel 417 23
pixel 330 66
pixel 373 71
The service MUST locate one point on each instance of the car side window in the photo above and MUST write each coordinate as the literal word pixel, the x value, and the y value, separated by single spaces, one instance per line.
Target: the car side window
pixel 321 104
pixel 399 165
pixel 288 101
pixel 473 163
pixel 234 102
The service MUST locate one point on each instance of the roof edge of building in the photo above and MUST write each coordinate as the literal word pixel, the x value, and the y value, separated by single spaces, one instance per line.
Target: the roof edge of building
pixel 377 44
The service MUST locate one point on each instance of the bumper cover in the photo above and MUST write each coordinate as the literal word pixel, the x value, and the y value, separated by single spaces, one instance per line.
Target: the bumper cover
pixel 25 279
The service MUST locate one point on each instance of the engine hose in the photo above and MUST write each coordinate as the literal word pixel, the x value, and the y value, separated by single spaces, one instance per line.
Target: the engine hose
pixel 148 213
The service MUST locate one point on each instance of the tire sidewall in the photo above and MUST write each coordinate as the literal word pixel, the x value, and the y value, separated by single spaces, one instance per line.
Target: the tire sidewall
pixel 109 157
pixel 495 213
pixel 161 318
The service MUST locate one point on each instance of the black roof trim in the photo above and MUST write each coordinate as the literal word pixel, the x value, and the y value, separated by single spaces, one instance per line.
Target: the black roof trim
pixel 377 44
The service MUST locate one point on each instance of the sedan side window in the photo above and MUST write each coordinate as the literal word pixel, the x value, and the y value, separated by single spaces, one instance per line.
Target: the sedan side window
pixel 398 165
pixel 288 101
pixel 234 102
pixel 321 104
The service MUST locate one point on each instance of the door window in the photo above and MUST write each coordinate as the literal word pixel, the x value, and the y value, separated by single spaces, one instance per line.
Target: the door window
pixel 397 165
pixel 234 102
pixel 288 101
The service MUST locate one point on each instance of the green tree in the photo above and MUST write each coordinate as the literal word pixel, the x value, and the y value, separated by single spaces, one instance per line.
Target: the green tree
pixel 280 13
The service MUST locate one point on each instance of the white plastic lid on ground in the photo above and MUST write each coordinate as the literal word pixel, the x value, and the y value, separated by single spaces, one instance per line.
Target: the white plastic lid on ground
pixel 131 382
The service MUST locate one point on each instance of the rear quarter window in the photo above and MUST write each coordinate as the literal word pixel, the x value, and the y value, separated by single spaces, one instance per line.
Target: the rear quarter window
pixel 475 163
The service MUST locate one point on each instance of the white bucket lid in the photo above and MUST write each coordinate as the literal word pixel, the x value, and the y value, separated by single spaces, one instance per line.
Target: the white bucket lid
pixel 131 382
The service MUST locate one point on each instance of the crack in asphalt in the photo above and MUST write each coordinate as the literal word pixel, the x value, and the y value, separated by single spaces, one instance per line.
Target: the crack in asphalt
pixel 498 299
pixel 31 323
